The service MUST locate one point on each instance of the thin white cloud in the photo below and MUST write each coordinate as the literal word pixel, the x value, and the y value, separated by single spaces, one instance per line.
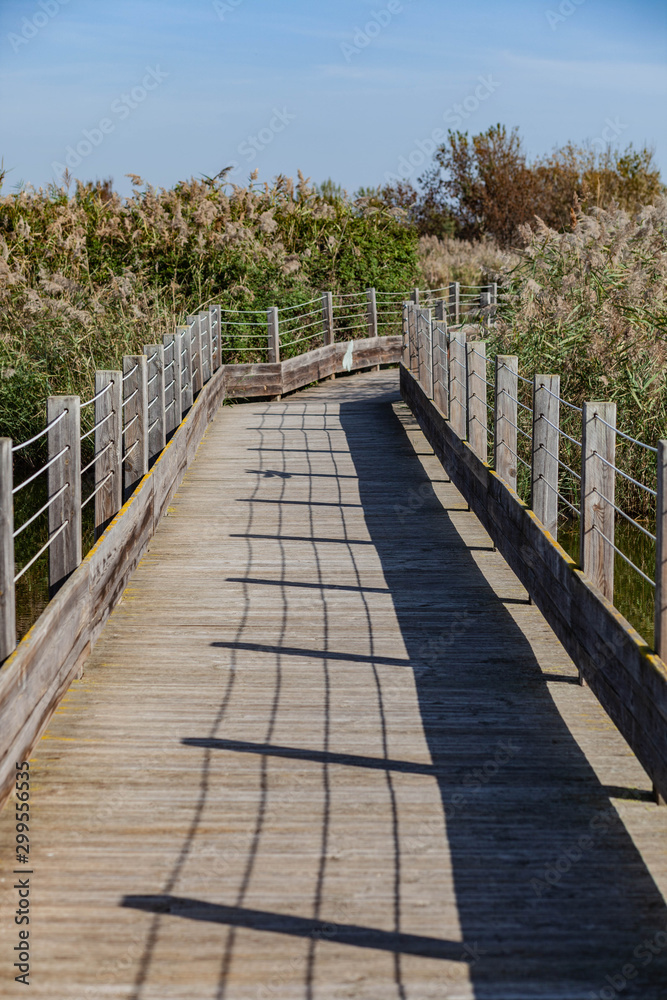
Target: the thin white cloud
pixel 626 77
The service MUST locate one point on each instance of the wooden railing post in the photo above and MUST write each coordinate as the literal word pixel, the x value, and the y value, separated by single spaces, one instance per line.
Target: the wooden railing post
pixel 7 568
pixel 173 379
pixel 135 418
pixel 546 442
pixel 415 297
pixel 274 335
pixel 206 354
pixel 413 344
pixel 157 430
pixel 64 477
pixel 405 346
pixel 505 437
pixel 371 312
pixel 195 355
pixel 476 394
pixel 660 631
pixel 458 408
pixel 327 318
pixel 216 328
pixel 493 291
pixel 440 368
pixel 441 312
pixel 187 393
pixel 598 482
pixel 454 302
pixel 425 334
pixel 109 448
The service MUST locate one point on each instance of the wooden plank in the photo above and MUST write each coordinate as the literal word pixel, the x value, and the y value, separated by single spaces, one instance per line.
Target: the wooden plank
pixel 598 481
pixel 187 391
pixel 216 329
pixel 425 351
pixel 273 322
pixel 64 480
pixel 546 443
pixel 173 375
pixel 454 303
pixel 413 341
pixel 476 390
pixel 195 354
pixel 135 419
pixel 155 406
pixel 405 346
pixel 109 447
pixel 7 570
pixel 458 408
pixel 506 418
pixel 327 318
pixel 372 316
pixel 206 351
pixel 440 368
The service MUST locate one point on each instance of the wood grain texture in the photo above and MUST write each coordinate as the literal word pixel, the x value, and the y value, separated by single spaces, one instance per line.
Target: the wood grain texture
pixel 505 436
pixel 305 761
pixel 598 491
pixel 135 419
pixel 64 478
pixel 108 448
pixel 458 392
pixel 546 448
pixel 196 358
pixel 478 434
pixel 187 392
pixel 156 429
pixel 173 376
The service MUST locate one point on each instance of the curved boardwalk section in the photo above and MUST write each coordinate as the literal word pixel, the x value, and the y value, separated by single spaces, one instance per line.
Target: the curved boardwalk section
pixel 326 749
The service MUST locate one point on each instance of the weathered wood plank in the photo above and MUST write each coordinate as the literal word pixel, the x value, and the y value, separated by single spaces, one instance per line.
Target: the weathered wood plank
pixel 64 488
pixel 546 446
pixel 108 447
pixel 598 482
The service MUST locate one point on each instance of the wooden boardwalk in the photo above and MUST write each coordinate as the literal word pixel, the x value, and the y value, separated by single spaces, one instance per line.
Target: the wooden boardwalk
pixel 326 749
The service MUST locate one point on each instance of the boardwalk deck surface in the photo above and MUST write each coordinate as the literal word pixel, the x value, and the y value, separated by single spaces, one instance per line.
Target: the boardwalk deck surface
pixel 326 749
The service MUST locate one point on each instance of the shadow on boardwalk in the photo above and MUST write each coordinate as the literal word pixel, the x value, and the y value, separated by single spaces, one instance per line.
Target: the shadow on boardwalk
pixel 552 895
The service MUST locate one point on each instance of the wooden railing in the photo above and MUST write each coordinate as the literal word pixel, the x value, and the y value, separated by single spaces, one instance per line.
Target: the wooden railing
pixel 460 398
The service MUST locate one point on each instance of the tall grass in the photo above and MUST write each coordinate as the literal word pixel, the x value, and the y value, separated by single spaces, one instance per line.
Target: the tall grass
pixel 86 276
pixel 591 306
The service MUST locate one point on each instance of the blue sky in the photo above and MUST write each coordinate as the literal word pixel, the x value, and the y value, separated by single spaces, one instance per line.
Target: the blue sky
pixel 353 90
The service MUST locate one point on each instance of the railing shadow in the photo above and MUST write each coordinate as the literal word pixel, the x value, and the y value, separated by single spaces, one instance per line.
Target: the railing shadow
pixel 553 897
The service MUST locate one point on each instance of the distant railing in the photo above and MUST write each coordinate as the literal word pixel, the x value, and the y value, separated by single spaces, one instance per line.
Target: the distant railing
pixel 342 316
